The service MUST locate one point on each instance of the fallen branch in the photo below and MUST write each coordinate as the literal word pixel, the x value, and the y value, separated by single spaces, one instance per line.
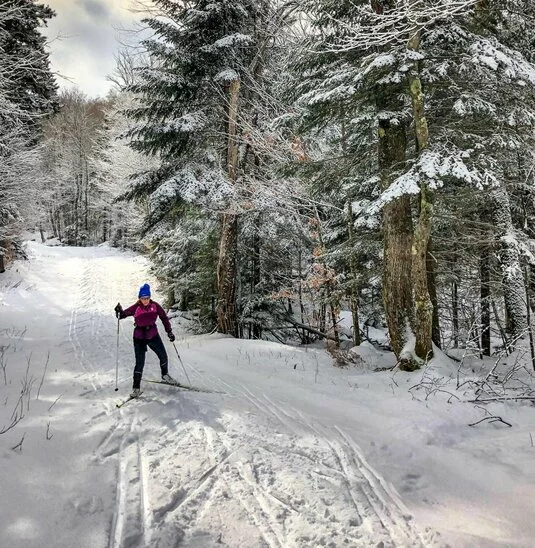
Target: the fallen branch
pixel 503 398
pixel 491 419
pixel 309 329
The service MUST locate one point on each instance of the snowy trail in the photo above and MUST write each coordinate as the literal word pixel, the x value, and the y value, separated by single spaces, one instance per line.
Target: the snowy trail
pixel 264 462
pixel 60 302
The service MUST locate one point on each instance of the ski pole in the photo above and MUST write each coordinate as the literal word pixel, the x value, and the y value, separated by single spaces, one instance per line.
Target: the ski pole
pixel 181 363
pixel 117 359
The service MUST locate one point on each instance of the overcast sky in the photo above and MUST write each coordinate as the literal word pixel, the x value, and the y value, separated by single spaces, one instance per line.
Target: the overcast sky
pixel 89 40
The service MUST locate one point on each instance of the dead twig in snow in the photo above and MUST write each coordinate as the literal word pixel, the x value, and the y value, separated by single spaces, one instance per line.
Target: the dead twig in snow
pixel 503 398
pixel 19 445
pixel 43 377
pixel 55 401
pixel 3 361
pixel 493 418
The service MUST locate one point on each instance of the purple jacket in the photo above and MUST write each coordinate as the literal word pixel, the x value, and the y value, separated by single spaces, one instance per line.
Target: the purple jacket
pixel 145 319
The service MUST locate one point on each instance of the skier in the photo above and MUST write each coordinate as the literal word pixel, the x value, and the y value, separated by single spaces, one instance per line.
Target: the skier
pixel 146 312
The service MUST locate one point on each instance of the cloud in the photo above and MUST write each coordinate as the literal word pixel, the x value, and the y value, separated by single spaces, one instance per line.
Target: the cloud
pixel 84 39
pixel 95 8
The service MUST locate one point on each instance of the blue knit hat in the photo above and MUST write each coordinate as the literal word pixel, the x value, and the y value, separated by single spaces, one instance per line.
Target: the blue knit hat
pixel 144 291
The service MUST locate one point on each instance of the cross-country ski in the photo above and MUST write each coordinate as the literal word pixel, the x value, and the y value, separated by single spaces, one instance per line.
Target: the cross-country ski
pixel 129 399
pixel 185 386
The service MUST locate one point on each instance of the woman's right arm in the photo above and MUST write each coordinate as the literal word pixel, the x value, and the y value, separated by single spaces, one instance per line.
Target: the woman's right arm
pixel 130 311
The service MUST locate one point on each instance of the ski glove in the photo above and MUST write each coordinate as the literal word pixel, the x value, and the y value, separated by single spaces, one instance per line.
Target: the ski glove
pixel 171 336
pixel 118 310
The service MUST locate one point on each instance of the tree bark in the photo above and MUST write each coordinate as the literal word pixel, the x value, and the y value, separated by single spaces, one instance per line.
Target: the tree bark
pixel 509 256
pixel 227 320
pixel 397 228
pixel 455 313
pixel 432 286
pixel 423 307
pixel 354 289
pixel 226 276
pixel 256 331
pixel 3 244
pixel 484 269
pixel 528 309
pixel 397 220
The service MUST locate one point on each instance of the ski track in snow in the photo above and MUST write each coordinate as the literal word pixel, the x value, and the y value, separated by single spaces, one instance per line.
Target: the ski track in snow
pixel 202 470
pixel 248 474
pixel 377 516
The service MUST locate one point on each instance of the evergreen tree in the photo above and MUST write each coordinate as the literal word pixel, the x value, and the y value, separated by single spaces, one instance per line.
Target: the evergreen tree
pixel 197 113
pixel 27 91
pixel 433 88
pixel 486 55
pixel 361 94
pixel 25 74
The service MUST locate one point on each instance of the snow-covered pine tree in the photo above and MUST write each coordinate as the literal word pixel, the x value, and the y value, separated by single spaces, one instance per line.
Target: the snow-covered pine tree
pixel 339 176
pixel 486 118
pixel 25 74
pixel 362 93
pixel 452 143
pixel 27 91
pixel 197 111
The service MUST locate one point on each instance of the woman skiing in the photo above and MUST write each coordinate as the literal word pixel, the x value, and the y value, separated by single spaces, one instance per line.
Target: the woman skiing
pixel 146 312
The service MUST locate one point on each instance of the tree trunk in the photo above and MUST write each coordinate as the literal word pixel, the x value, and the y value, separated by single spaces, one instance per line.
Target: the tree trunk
pixel 432 286
pixel 52 216
pixel 397 231
pixel 484 269
pixel 227 320
pixel 77 199
pixel 3 244
pixel 354 289
pixel 509 255
pixel 226 276
pixel 528 309
pixel 330 305
pixel 455 313
pixel 256 274
pixel 304 339
pixel 85 175
pixel 423 307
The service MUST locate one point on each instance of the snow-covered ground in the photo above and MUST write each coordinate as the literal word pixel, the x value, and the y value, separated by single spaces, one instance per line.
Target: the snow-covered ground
pixel 289 452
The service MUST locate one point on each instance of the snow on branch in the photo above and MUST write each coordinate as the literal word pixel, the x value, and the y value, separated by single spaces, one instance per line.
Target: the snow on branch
pixel 489 53
pixel 376 26
pixel 433 167
pixel 194 183
pixel 230 41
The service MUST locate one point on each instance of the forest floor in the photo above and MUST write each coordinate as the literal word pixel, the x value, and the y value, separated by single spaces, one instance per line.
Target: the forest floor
pixel 288 451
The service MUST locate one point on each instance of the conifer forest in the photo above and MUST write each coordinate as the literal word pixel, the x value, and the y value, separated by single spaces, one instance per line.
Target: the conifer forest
pixel 284 161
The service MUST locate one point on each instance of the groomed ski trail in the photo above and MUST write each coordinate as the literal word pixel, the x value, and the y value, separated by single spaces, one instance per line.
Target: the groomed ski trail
pixel 197 469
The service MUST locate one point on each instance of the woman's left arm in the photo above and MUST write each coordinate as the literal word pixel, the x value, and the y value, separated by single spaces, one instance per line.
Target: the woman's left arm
pixel 165 320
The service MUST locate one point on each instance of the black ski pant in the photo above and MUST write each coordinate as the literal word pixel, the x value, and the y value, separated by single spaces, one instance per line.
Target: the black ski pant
pixel 140 349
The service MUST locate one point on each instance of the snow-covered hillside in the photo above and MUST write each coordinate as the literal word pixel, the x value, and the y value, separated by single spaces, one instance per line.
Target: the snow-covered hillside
pixel 286 452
